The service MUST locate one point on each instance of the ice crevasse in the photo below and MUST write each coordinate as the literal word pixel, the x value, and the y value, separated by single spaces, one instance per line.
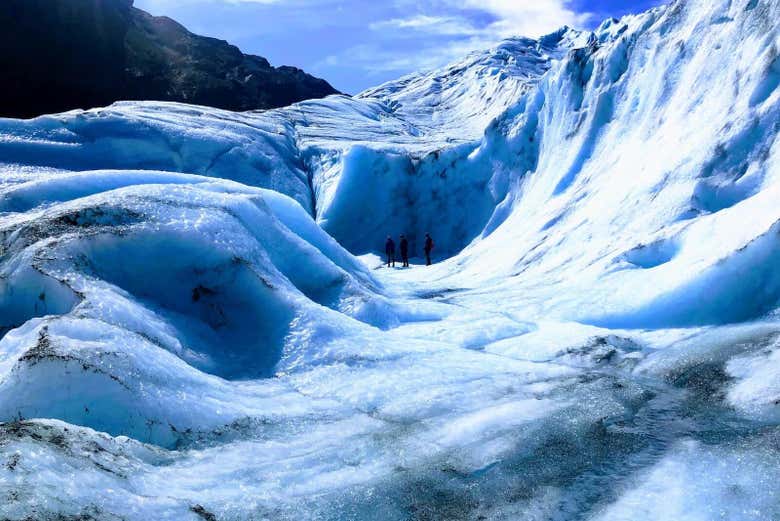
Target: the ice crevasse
pixel 193 328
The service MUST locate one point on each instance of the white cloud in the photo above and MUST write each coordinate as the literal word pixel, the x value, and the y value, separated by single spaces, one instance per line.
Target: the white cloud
pixel 438 25
pixel 457 19
pixel 525 17
pixel 511 18
pixel 375 60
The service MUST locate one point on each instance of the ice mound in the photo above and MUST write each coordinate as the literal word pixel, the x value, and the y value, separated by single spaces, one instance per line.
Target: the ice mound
pixel 161 136
pixel 142 278
pixel 50 449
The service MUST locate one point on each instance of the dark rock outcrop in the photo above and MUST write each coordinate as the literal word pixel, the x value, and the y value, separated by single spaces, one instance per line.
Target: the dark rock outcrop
pixel 64 54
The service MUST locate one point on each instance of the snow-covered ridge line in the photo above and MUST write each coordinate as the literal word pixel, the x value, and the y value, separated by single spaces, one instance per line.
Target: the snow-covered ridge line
pixel 460 99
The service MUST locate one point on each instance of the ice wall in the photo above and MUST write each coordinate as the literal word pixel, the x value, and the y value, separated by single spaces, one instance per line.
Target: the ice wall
pixel 643 171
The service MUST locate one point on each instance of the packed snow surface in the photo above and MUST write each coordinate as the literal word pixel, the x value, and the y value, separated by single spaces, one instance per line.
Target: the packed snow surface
pixel 196 324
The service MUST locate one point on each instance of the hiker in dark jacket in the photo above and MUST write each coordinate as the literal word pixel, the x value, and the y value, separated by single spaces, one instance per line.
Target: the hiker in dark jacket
pixel 428 248
pixel 405 251
pixel 390 251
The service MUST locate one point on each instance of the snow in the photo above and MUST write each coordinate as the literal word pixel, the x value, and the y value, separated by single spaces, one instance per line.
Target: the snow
pixel 196 324
pixel 460 100
pixel 756 389
pixel 698 482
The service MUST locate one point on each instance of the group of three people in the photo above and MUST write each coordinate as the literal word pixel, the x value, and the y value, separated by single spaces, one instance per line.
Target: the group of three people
pixel 404 248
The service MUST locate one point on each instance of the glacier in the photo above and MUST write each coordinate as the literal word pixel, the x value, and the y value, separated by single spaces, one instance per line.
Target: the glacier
pixel 196 325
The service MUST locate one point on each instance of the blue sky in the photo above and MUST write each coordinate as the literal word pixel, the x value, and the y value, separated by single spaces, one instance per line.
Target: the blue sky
pixel 356 44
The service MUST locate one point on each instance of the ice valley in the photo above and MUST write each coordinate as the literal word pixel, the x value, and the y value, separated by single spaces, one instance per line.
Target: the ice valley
pixel 195 326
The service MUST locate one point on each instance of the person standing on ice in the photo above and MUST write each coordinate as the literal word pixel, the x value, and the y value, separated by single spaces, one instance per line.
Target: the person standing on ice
pixel 390 251
pixel 404 251
pixel 428 248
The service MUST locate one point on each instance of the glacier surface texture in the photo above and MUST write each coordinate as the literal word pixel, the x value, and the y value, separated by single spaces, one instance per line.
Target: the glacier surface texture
pixel 195 325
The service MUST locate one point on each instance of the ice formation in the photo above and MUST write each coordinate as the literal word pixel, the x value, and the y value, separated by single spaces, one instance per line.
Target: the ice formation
pixel 194 328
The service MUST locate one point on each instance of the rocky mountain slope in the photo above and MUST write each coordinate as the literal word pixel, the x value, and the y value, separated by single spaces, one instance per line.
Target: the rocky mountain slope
pixel 66 54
